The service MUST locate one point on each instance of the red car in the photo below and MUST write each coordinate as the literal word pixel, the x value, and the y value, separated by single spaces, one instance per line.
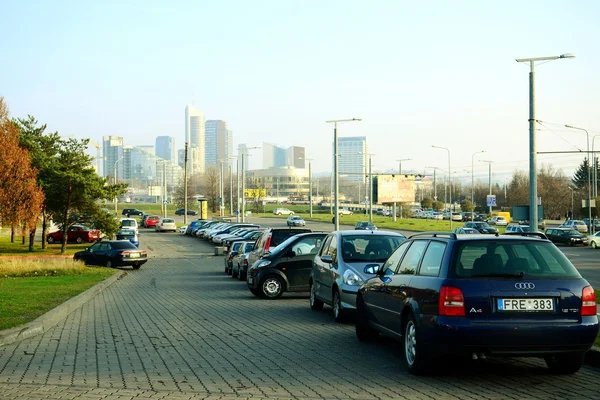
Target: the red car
pixel 75 234
pixel 151 221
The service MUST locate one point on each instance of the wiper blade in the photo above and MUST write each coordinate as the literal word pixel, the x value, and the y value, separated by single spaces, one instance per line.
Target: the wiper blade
pixel 519 275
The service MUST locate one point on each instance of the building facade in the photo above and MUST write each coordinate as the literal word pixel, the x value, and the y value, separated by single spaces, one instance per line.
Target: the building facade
pixel 195 137
pixel 280 183
pixel 165 148
pixel 353 157
pixel 112 147
pixel 218 143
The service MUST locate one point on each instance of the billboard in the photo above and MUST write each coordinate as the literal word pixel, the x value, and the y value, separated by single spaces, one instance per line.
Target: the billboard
pixel 255 193
pixel 394 188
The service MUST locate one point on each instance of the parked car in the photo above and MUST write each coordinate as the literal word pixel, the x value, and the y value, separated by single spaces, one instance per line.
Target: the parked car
pixel 216 235
pixel 131 211
pixel 482 227
pixel 228 259
pixel 113 253
pixel 596 224
pixel 439 216
pixel 181 211
pixel 130 223
pixel 286 268
pixel 166 225
pixel 498 220
pixel 151 221
pixel 75 234
pixel 182 229
pixel 294 220
pixel 250 236
pixel 468 216
pixel 481 217
pixel 270 238
pixel 344 211
pixel 568 236
pixel 192 226
pixel 575 224
pixel 594 240
pixel 240 262
pixel 282 211
pixel 365 226
pixel 338 268
pixel 507 295
pixel 456 216
pixel 128 234
pixel 517 228
pixel 466 231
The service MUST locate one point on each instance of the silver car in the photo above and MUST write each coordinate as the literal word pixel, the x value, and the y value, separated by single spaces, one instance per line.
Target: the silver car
pixel 339 268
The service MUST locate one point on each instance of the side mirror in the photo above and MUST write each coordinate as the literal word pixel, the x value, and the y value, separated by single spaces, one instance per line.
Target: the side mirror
pixel 327 259
pixel 371 269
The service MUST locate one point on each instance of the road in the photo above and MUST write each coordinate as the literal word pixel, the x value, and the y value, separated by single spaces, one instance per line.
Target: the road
pixel 180 328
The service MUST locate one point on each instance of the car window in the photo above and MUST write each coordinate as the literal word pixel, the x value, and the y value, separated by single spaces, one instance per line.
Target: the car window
pixel 104 247
pixel 410 262
pixel 369 248
pixel 390 265
pixel 325 246
pixel 432 260
pixel 332 250
pixel 307 245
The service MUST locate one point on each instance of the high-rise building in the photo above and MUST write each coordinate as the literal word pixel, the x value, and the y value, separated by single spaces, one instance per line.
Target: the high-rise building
pixel 112 147
pixel 296 156
pixel 219 142
pixel 274 156
pixel 165 148
pixel 181 157
pixel 195 137
pixel 352 160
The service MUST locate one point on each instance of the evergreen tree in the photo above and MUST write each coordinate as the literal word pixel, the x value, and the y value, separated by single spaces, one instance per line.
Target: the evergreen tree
pixel 580 177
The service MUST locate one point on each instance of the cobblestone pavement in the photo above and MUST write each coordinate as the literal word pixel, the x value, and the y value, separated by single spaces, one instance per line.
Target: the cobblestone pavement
pixel 180 328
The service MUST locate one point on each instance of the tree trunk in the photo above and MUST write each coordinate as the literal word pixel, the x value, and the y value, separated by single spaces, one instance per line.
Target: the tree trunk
pixel 12 234
pixel 65 226
pixel 31 239
pixel 44 228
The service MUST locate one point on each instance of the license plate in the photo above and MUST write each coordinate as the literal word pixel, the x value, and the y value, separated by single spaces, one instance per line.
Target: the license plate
pixel 527 304
pixel 250 280
pixel 134 255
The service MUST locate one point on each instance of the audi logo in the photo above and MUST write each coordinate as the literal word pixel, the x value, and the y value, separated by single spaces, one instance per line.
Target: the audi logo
pixel 524 285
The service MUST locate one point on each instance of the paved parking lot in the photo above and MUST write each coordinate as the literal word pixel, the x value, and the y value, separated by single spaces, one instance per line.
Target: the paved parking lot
pixel 180 328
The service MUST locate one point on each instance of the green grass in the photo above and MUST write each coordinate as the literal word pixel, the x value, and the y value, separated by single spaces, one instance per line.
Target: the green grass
pixel 23 300
pixel 14 249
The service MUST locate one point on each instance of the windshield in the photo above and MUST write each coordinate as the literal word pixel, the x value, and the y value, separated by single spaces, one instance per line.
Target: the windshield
pixel 369 248
pixel 483 224
pixel 528 259
pixel 574 232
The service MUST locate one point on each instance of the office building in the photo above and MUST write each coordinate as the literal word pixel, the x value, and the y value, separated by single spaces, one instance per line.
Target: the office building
pixel 165 148
pixel 276 156
pixel 195 137
pixel 218 142
pixel 353 158
pixel 112 147
pixel 296 156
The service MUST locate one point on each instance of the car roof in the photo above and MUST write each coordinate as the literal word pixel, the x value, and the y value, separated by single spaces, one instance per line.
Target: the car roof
pixel 363 233
pixel 464 237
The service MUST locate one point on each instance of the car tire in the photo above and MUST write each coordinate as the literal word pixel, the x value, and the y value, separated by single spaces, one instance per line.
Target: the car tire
pixel 565 363
pixel 234 273
pixel 315 304
pixel 79 240
pixel 242 275
pixel 109 264
pixel 271 287
pixel 364 333
pixel 292 213
pixel 255 292
pixel 414 352
pixel 593 244
pixel 51 240
pixel 339 314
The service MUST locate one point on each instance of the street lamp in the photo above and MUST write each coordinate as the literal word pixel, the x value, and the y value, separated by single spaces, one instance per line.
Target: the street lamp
pixel 595 184
pixel 473 182
pixel 490 180
pixel 435 183
pixel 533 209
pixel 336 216
pixel 231 184
pixel 589 201
pixel 400 164
pixel 310 191
pixel 370 187
pixel 449 177
pixel 572 191
pixel 245 152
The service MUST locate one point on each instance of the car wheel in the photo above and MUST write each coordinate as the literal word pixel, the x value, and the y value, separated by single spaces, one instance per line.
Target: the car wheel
pixel 227 269
pixel 593 244
pixel 363 332
pixel 79 240
pixel 315 304
pixel 571 244
pixel 414 353
pixel 109 264
pixel 292 213
pixel 565 363
pixel 271 287
pixel 339 315
pixel 242 275
pixel 234 273
pixel 50 239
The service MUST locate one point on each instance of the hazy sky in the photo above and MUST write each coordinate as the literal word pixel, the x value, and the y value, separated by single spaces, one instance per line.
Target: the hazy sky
pixel 418 73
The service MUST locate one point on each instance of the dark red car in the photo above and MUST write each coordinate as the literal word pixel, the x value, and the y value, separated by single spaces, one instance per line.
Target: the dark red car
pixel 75 234
pixel 151 221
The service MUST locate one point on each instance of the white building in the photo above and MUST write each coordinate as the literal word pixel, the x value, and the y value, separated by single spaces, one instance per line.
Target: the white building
pixel 195 137
pixel 353 157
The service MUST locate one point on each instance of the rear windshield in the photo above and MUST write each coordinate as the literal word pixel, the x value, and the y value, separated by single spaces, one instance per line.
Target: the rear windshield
pixel 123 245
pixel 532 259
pixel 128 222
pixel 278 237
pixel 168 221
pixel 366 248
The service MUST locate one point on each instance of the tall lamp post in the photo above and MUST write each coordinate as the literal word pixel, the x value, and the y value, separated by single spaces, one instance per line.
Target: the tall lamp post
pixel 400 164
pixel 589 200
pixel 449 177
pixel 533 197
pixel 490 180
pixel 116 197
pixel 370 186
pixel 473 182
pixel 572 195
pixel 310 191
pixel 595 170
pixel 336 215
pixel 185 184
pixel 244 153
pixel 231 184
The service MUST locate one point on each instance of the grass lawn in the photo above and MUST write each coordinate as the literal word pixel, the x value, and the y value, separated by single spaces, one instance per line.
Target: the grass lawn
pixel 24 299
pixel 16 249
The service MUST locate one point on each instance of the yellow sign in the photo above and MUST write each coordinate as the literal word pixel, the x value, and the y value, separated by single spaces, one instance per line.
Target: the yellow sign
pixel 203 209
pixel 255 193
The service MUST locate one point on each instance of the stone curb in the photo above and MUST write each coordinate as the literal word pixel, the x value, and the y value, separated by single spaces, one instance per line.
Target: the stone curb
pixel 592 357
pixel 57 314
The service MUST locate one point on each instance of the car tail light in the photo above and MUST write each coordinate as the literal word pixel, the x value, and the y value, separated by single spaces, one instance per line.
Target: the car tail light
pixel 588 301
pixel 452 302
pixel 268 243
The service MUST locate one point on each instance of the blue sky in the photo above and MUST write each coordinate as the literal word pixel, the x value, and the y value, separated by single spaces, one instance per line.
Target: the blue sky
pixel 418 73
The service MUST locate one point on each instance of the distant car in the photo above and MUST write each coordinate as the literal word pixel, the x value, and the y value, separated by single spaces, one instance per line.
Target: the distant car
pixel 568 236
pixel 131 211
pixel 467 216
pixel 182 229
pixel 166 225
pixel 151 221
pixel 344 211
pixel 239 263
pixel 294 220
pixel 456 216
pixel 575 224
pixel 596 224
pixel 75 234
pixel 282 211
pixel 498 220
pixel 482 227
pixel 181 211
pixel 365 226
pixel 129 223
pixel 466 231
pixel 128 234
pixel 113 253
pixel 517 228
pixel 594 240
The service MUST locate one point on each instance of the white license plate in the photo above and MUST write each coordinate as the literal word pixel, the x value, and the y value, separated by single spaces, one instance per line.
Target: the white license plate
pixel 250 280
pixel 527 304
pixel 134 255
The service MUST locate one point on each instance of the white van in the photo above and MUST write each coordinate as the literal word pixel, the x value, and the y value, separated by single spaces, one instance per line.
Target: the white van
pixel 129 223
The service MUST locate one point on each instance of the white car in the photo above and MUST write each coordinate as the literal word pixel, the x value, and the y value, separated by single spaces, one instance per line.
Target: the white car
pixel 282 211
pixel 344 211
pixel 517 228
pixel 166 225
pixel 456 216
pixel 498 220
pixel 130 223
pixel 594 240
pixel 182 229
pixel 575 224
pixel 437 215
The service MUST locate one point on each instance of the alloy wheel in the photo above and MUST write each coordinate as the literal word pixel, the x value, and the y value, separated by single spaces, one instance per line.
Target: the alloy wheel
pixel 410 343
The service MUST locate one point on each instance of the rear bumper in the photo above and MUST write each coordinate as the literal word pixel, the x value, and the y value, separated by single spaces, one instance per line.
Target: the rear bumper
pixel 457 335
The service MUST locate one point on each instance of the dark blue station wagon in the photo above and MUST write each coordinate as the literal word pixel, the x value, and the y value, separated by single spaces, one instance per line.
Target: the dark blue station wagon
pixel 479 296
